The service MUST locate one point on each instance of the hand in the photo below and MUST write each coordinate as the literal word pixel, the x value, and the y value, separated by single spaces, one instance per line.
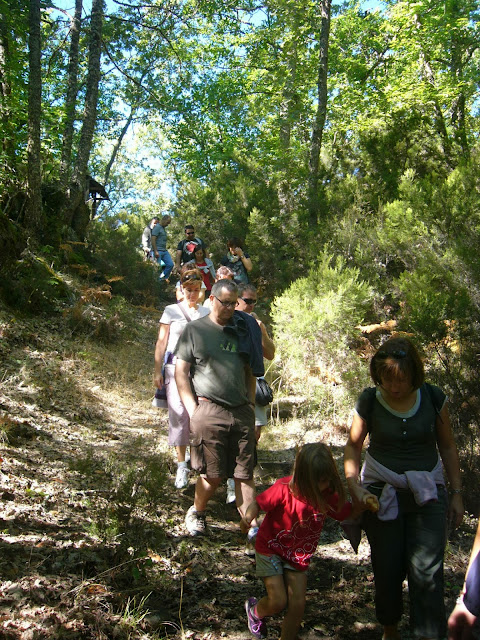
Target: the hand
pixel 191 408
pixel 363 499
pixel 455 510
pixel 158 380
pixel 371 502
pixel 460 623
pixel 244 525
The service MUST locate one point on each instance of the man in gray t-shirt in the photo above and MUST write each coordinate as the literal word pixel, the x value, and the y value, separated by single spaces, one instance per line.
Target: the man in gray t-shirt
pixel 217 387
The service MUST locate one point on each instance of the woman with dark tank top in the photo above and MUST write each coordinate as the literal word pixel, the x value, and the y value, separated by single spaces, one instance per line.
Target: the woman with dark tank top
pixel 410 437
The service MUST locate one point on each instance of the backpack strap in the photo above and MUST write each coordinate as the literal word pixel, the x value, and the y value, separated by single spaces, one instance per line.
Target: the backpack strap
pixel 372 395
pixel 187 317
pixel 431 395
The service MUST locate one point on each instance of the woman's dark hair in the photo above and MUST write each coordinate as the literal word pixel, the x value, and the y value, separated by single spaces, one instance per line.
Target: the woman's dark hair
pixel 234 242
pixel 314 464
pixel 397 358
pixel 188 266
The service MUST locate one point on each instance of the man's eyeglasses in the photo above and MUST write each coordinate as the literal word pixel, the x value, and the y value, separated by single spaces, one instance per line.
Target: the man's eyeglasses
pixel 226 304
pixel 190 233
pixel 251 301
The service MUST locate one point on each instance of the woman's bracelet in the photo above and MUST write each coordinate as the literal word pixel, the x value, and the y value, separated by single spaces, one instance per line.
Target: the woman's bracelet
pixel 456 491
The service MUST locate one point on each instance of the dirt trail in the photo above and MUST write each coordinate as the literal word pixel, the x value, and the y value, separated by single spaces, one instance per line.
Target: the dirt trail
pixel 92 537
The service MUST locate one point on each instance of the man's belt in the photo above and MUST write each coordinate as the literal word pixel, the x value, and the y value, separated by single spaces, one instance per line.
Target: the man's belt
pixel 221 404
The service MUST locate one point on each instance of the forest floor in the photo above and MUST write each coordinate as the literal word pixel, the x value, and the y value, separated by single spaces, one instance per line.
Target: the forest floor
pixel 92 536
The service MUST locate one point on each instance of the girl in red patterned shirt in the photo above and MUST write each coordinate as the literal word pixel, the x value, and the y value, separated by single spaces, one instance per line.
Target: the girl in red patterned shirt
pixel 296 508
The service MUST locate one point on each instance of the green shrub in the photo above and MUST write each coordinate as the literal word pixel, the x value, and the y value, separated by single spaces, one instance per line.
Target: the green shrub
pixel 32 285
pixel 315 324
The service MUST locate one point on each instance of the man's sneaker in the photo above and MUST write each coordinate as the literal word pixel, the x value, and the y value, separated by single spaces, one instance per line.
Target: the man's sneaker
pixel 181 480
pixel 257 626
pixel 195 522
pixel 230 491
pixel 251 538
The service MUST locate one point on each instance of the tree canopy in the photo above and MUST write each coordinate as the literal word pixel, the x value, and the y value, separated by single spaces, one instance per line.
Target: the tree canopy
pixel 307 129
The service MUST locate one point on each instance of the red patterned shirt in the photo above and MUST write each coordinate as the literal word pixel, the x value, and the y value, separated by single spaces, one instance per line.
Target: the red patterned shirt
pixel 291 528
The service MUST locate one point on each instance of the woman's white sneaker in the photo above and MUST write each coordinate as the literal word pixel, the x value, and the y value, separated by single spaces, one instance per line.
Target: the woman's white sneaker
pixel 182 478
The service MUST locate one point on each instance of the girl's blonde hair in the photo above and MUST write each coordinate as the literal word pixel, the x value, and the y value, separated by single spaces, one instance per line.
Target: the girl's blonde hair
pixel 314 465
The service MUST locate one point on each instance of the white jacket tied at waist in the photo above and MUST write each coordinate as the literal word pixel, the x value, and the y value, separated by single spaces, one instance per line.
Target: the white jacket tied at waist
pixel 423 485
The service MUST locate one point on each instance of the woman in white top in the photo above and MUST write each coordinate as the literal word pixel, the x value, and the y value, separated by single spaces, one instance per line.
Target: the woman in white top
pixel 173 321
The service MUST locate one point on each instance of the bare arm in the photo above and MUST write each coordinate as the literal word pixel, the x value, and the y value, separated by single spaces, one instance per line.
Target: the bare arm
pixel 268 346
pixel 449 454
pixel 247 263
pixel 251 514
pixel 160 349
pixel 352 458
pixel 182 379
pixel 461 621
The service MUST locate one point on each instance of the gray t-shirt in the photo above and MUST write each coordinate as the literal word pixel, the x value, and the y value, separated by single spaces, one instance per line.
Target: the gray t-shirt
pixel 218 369
pixel 160 234
pixel 403 441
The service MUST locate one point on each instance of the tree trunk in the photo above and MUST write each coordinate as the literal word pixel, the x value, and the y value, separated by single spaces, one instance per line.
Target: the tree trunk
pixel 79 180
pixel 287 108
pixel 314 198
pixel 33 214
pixel 8 163
pixel 71 97
pixel 117 145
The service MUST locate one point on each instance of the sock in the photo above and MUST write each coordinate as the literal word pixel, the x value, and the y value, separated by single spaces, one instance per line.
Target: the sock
pixel 181 464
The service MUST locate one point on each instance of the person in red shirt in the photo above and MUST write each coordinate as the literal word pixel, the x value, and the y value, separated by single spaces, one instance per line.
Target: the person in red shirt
pixel 296 508
pixel 206 268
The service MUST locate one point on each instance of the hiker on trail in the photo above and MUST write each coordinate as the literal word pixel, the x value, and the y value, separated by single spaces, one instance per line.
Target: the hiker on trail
pixel 172 323
pixel 463 618
pixel 408 426
pixel 187 246
pixel 205 266
pixel 247 299
pixel 147 239
pixel 222 273
pixel 296 508
pixel 217 359
pixel 159 247
pixel 238 260
pixel 188 266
